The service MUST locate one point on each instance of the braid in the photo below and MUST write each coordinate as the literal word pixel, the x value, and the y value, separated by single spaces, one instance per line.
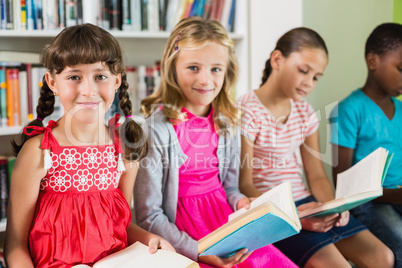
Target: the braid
pixel 267 71
pixel 45 108
pixel 132 135
pixel 46 101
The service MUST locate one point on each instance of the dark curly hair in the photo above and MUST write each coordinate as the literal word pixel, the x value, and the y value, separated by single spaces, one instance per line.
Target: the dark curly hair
pixel 384 38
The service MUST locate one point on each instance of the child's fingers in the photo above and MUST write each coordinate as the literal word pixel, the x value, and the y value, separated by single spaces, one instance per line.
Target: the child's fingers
pixel 153 245
pixel 166 246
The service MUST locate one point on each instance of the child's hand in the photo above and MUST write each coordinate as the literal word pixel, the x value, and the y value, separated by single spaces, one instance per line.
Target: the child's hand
pixel 159 243
pixel 343 219
pixel 244 202
pixel 317 224
pixel 213 260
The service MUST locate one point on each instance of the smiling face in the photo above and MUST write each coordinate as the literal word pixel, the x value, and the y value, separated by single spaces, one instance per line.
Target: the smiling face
pixel 300 71
pixel 86 91
pixel 201 74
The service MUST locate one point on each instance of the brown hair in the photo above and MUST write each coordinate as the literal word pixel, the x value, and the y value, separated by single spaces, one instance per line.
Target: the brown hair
pixel 194 32
pixel 294 41
pixel 87 44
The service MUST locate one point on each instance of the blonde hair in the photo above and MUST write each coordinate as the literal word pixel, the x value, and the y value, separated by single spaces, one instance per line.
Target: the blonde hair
pixel 194 32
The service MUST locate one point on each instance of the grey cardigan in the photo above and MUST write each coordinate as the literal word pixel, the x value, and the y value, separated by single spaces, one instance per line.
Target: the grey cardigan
pixel 157 182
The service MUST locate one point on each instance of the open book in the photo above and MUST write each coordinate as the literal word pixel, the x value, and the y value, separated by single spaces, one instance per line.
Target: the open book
pixel 271 217
pixel 357 185
pixel 137 255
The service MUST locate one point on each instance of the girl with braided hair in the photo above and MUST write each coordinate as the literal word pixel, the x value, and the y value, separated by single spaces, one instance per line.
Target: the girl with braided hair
pixel 72 182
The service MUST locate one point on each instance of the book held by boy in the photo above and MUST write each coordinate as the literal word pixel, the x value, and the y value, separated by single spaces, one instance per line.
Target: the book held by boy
pixel 137 255
pixel 270 218
pixel 355 186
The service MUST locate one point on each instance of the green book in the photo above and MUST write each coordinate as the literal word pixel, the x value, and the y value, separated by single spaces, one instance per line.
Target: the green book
pixel 357 185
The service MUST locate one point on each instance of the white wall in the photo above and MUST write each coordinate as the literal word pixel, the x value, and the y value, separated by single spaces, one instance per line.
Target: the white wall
pixel 268 20
pixel 345 26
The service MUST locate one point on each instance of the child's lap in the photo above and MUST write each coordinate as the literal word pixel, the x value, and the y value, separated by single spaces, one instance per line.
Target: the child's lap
pixel 299 248
pixel 268 256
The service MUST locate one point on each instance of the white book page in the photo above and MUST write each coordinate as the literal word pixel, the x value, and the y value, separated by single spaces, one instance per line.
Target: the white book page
pixel 137 255
pixel 280 195
pixel 363 176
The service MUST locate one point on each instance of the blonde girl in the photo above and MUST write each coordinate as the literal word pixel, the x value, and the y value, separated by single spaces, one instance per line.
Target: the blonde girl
pixel 189 179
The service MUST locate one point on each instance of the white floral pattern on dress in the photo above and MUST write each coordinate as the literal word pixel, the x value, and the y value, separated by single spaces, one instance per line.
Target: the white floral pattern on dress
pixel 103 178
pixel 44 183
pixel 92 158
pixel 60 181
pixel 70 159
pixel 55 163
pixel 83 180
pixel 116 178
pixel 110 157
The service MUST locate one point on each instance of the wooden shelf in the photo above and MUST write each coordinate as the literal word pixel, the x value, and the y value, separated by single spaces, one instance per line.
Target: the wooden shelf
pixel 117 34
pixel 4 131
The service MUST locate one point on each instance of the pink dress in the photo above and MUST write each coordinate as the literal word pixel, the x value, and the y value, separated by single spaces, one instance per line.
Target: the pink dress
pixel 202 204
pixel 81 215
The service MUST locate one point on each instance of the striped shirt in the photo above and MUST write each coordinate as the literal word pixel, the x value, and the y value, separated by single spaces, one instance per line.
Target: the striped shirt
pixel 276 144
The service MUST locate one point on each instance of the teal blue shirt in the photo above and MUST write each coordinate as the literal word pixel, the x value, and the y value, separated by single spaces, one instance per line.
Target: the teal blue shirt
pixel 358 123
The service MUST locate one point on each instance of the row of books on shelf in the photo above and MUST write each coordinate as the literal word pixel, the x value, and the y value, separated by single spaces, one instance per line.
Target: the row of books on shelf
pixel 127 15
pixel 20 85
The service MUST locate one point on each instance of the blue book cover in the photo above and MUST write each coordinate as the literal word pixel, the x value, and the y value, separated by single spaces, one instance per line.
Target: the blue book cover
pixel 270 218
pixel 258 233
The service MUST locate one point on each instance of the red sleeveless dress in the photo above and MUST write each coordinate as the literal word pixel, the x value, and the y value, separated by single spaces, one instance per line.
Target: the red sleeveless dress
pixel 81 216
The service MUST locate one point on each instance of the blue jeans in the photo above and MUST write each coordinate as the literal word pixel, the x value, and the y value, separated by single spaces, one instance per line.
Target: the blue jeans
pixel 385 222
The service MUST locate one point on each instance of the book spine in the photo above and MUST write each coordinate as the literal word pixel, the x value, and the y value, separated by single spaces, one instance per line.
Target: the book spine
pixel 38 14
pixel 3 14
pixel 90 11
pixel 226 13
pixel 28 68
pixel 71 13
pixel 136 15
pixel 115 14
pixel 144 15
pixel 80 18
pixel 231 22
pixel 13 97
pixel 207 9
pixel 3 188
pixel 17 14
pixel 187 9
pixel 23 15
pixel 126 15
pixel 153 15
pixel 30 14
pixel 9 10
pixel 105 14
pixel 3 97
pixel 162 14
pixel 62 14
pixel 23 86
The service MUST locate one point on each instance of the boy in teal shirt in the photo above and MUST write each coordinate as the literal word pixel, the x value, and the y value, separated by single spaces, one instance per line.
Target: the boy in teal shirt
pixel 371 117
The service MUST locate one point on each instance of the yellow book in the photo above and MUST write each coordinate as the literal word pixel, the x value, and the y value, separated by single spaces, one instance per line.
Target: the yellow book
pixel 137 255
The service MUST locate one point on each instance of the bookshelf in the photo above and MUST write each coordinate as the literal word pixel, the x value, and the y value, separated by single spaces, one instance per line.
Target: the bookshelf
pixel 140 48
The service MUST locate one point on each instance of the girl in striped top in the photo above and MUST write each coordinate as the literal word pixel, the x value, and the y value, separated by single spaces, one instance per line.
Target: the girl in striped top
pixel 280 141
